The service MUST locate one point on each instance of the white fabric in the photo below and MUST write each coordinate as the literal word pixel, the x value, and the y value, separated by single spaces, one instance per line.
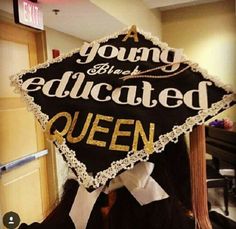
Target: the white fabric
pixel 137 180
pixel 140 184
pixel 83 206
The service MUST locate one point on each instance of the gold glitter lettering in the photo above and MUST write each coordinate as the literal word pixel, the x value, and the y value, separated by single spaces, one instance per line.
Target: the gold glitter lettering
pixel 117 132
pixel 148 144
pixel 97 128
pixel 132 33
pixel 72 139
pixel 57 135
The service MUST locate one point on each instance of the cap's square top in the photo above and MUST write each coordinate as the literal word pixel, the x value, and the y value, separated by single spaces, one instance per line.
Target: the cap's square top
pixel 116 101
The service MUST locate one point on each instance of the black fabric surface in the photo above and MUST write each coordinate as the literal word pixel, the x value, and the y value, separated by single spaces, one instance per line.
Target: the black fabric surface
pixel 98 158
pixel 219 221
pixel 126 213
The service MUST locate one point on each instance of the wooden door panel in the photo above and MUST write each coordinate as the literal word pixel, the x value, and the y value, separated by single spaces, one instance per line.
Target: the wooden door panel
pixel 23 189
pixel 21 197
pixel 18 35
pixel 14 58
pixel 17 134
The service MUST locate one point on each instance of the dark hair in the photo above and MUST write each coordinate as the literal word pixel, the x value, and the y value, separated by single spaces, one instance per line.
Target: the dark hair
pixel 171 172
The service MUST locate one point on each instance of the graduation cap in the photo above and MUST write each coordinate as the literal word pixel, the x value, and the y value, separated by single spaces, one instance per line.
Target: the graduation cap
pixel 116 101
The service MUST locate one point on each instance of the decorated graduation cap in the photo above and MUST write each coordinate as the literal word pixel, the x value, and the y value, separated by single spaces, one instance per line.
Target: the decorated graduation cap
pixel 116 101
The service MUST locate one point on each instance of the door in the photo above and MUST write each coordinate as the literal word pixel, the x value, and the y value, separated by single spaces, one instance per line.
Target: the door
pixel 24 189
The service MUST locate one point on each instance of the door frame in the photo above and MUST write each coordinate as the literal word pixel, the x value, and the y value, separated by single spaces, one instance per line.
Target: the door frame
pixel 50 160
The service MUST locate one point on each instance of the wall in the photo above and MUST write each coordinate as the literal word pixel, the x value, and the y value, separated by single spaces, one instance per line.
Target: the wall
pixel 207 33
pixel 133 12
pixel 58 40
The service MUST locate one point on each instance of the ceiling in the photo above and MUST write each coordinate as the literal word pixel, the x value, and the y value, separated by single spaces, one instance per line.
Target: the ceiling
pixel 173 4
pixel 79 17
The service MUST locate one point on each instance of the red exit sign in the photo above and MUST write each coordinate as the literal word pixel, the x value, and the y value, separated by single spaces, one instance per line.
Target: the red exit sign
pixel 28 13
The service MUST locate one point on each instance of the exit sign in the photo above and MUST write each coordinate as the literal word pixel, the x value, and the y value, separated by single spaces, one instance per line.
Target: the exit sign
pixel 28 13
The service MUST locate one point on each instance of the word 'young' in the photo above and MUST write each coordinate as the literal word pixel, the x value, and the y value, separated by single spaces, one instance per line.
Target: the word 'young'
pixel 153 54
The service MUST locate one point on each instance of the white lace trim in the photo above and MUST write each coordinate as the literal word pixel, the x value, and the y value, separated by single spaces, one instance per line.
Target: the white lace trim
pixel 132 157
pixel 127 163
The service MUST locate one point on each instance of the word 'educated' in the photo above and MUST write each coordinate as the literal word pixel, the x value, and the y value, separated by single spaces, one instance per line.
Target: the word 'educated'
pixel 124 95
